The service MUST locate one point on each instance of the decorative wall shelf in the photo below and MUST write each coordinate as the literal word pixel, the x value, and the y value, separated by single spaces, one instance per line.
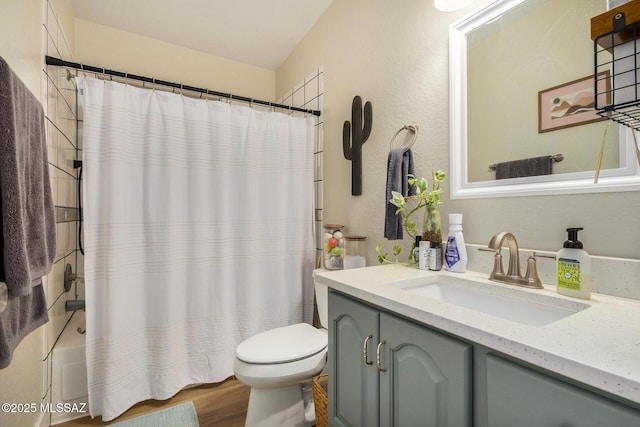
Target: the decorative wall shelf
pixel 617 64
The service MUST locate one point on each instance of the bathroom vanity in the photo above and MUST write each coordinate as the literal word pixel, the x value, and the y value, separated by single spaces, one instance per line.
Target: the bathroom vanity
pixel 411 347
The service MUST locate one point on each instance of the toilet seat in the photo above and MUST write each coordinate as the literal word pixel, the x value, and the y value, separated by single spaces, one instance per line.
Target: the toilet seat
pixel 282 345
pixel 279 374
pixel 281 356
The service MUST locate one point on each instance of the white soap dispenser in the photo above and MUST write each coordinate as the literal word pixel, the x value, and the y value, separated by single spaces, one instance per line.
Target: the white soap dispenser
pixel 574 267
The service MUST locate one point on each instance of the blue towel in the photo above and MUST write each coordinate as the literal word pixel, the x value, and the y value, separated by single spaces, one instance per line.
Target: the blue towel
pixel 399 166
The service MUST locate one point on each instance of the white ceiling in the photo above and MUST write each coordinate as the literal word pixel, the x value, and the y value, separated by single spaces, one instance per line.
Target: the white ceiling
pixel 257 32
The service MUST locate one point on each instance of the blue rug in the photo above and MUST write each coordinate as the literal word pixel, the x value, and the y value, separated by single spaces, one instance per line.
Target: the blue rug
pixel 183 415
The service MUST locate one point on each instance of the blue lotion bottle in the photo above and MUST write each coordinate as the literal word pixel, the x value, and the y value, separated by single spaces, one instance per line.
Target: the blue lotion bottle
pixel 456 253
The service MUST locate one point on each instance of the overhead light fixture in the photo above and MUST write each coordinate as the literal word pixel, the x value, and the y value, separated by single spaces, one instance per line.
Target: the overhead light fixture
pixel 450 5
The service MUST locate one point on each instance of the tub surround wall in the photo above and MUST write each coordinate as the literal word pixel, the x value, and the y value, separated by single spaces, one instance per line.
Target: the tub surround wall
pixel 61 117
pixel 309 94
pixel 59 93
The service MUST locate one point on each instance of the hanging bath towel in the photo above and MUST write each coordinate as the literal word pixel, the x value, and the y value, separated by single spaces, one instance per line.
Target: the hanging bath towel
pixel 399 166
pixel 524 167
pixel 27 224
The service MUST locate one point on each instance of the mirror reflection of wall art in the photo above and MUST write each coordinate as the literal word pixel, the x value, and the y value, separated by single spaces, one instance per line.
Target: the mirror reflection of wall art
pixel 572 103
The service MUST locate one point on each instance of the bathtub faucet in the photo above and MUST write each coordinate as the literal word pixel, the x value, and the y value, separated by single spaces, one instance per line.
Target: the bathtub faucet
pixel 73 305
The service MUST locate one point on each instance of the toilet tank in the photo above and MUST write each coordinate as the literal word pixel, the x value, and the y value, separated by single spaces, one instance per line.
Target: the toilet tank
pixel 322 300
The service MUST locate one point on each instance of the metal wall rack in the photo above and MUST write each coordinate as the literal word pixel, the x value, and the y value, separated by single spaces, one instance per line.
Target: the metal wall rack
pixel 617 65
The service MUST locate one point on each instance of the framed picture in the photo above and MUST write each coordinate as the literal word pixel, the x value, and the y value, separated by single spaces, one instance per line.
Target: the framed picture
pixel 572 103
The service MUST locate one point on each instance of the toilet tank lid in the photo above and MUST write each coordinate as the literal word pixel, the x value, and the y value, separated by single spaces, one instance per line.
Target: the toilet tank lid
pixel 280 345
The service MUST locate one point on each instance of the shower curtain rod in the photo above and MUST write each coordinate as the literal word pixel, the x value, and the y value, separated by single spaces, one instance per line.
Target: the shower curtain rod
pixel 50 60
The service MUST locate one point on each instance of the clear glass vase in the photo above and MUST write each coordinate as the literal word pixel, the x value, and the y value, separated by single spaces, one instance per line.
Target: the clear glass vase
pixel 431 226
pixel 432 232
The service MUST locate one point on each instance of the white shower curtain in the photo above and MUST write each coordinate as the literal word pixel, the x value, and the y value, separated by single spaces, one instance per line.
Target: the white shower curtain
pixel 198 221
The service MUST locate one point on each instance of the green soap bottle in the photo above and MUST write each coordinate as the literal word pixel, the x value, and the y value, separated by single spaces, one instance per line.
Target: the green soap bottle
pixel 574 267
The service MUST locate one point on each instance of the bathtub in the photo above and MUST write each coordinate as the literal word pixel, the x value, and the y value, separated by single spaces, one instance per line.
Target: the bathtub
pixel 69 371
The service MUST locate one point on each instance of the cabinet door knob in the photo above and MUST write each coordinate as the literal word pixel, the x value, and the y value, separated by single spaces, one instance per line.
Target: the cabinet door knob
pixel 364 350
pixel 378 363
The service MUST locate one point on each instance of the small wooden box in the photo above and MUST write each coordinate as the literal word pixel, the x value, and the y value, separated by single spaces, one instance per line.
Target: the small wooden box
pixel 604 24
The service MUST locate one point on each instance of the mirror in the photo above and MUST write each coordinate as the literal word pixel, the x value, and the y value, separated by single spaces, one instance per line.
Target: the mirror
pixel 518 70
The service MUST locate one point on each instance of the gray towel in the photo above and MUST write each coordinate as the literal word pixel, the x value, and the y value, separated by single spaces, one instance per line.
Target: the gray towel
pixel 21 316
pixel 27 222
pixel 525 167
pixel 27 216
pixel 399 166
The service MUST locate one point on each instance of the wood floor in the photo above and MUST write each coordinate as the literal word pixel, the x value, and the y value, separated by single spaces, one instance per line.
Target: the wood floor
pixel 218 405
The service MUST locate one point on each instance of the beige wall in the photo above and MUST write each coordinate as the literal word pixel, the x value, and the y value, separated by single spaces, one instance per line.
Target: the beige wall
pixel 397 58
pixel 20 39
pixel 103 46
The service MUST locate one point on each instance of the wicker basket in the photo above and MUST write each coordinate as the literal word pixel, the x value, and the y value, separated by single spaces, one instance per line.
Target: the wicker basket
pixel 320 400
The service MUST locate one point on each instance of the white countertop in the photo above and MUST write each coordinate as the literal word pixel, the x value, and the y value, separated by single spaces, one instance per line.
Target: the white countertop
pixel 598 346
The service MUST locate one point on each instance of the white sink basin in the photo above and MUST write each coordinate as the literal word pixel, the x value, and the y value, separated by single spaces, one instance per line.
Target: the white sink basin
pixel 527 307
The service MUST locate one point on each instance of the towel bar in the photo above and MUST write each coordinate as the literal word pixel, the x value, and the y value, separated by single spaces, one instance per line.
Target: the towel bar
pixel 555 158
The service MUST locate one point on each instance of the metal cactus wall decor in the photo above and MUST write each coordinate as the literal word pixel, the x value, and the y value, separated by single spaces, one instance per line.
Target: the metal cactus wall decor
pixel 355 134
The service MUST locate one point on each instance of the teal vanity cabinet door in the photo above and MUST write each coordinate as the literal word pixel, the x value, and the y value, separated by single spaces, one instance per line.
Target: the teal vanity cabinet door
pixel 425 377
pixel 519 396
pixel 353 377
pixel 388 371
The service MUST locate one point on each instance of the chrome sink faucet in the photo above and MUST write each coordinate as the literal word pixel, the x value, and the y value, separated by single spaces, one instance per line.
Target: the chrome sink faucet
pixel 513 275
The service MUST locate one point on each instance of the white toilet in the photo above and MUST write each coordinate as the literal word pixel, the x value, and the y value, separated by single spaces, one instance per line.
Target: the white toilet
pixel 277 363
